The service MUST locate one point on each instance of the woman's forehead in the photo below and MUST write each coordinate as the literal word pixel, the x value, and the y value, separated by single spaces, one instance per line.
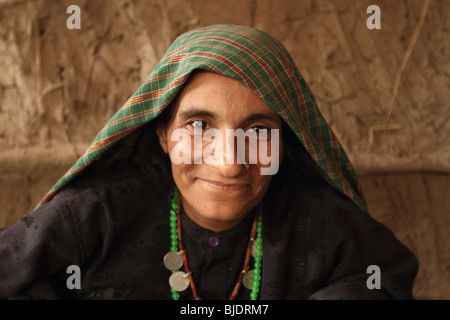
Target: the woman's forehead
pixel 207 91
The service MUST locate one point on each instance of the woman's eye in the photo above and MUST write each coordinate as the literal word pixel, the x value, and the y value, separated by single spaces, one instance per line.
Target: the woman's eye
pixel 199 124
pixel 258 130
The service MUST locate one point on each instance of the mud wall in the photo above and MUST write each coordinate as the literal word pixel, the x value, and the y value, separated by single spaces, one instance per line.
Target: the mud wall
pixel 385 93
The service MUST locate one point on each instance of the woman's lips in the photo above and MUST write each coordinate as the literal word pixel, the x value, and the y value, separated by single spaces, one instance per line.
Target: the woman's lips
pixel 225 186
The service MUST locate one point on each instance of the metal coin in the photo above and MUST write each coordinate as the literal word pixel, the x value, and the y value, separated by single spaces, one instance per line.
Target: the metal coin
pixel 178 281
pixel 254 249
pixel 173 260
pixel 247 280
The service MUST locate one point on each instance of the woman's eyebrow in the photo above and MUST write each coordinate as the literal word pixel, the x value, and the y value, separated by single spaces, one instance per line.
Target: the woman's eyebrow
pixel 197 112
pixel 263 116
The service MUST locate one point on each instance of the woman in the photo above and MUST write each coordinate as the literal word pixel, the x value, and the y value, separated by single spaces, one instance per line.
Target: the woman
pixel 218 179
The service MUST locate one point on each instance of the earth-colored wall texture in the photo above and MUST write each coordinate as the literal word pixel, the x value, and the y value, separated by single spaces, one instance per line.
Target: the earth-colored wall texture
pixel 385 92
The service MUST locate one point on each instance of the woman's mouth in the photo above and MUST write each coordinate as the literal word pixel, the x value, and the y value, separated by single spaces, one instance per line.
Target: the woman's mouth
pixel 225 186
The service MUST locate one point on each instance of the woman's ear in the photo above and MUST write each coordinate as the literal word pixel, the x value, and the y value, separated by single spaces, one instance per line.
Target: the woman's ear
pixel 162 136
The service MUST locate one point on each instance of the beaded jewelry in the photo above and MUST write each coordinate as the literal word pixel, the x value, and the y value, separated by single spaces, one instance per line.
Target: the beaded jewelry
pixel 176 257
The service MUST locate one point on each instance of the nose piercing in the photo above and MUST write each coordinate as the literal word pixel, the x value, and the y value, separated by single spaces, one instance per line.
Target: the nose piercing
pixel 246 165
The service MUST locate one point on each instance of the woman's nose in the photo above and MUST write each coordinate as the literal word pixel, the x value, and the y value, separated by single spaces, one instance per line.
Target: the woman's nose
pixel 226 157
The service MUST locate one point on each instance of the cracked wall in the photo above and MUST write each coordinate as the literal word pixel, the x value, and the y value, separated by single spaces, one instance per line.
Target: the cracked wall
pixel 385 93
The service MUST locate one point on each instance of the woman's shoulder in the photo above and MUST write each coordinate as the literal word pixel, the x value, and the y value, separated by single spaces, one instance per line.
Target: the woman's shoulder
pixel 110 197
pixel 118 181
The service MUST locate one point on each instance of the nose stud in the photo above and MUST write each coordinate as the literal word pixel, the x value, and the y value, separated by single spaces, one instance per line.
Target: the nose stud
pixel 246 165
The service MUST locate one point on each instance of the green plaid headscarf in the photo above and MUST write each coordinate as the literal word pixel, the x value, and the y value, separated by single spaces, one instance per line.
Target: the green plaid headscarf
pixel 255 59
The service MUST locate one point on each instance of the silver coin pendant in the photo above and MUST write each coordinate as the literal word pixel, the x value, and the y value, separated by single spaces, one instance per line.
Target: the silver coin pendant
pixel 254 249
pixel 179 281
pixel 173 260
pixel 247 280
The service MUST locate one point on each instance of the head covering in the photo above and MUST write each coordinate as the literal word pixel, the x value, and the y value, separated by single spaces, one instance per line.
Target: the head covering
pixel 259 62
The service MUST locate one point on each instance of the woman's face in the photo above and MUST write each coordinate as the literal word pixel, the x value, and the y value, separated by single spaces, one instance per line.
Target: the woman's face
pixel 217 191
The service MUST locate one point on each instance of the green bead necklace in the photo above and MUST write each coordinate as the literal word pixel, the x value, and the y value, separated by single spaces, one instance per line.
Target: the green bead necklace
pixel 176 257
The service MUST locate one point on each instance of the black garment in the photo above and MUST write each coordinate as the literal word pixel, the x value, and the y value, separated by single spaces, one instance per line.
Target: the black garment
pixel 216 259
pixel 316 244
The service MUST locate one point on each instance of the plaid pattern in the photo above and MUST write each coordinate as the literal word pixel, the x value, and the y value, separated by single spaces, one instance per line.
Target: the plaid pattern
pixel 256 60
